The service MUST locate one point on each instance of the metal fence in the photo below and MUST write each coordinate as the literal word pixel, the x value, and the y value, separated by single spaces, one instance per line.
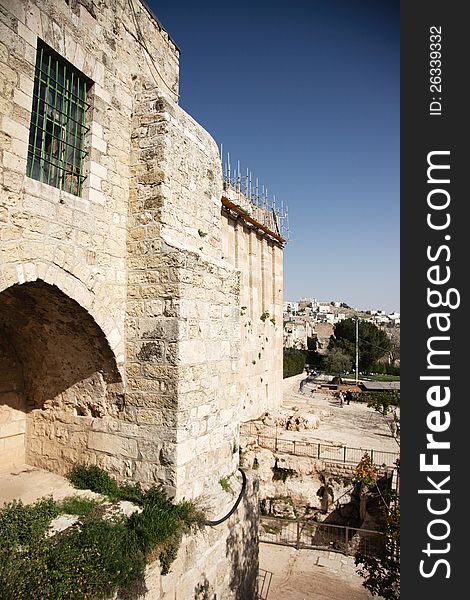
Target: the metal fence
pixel 318 450
pixel 264 583
pixel 320 536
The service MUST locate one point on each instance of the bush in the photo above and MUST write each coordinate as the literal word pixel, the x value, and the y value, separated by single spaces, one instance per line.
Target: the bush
pixel 281 473
pixel 95 479
pixel 161 525
pixel 383 402
pixel 93 562
pixel 293 361
pixel 75 505
pixel 96 558
pixel 24 525
pixel 385 368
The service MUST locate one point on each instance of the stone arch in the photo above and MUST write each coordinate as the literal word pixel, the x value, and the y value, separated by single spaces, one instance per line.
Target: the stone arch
pixel 58 376
pixel 73 286
pixel 12 405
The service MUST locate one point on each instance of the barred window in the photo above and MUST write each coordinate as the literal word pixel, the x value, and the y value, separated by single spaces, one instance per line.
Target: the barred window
pixel 57 133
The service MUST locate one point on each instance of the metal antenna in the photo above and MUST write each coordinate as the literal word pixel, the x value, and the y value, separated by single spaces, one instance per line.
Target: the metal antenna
pixel 274 215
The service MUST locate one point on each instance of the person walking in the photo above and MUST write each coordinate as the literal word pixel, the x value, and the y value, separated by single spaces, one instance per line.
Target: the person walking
pixel 341 399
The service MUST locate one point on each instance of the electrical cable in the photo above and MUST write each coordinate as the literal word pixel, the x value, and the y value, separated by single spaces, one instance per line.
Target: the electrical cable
pixel 141 40
pixel 235 506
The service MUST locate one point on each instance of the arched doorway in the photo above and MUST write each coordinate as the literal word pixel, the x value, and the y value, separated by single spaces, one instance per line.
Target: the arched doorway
pixel 57 376
pixel 12 405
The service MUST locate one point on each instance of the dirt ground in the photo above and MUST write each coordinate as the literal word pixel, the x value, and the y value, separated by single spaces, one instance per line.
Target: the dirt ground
pixel 353 425
pixel 310 575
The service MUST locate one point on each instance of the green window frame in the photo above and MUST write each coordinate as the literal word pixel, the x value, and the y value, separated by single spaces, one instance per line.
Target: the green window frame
pixel 56 149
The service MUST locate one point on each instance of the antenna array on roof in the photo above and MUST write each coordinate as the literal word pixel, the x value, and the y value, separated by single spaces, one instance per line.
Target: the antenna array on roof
pixel 245 190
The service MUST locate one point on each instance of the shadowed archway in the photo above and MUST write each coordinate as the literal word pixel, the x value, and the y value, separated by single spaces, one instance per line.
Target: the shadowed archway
pixel 57 374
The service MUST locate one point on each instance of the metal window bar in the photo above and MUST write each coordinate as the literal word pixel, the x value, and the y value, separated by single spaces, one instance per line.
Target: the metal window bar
pixel 57 131
pixel 45 76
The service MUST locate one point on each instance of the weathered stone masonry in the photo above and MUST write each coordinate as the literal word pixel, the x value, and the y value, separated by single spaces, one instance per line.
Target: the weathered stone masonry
pixel 257 253
pixel 131 329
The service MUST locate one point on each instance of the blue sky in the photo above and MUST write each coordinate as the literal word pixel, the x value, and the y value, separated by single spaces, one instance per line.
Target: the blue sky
pixel 306 95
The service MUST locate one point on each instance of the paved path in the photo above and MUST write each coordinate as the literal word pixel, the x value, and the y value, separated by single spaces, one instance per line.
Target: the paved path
pixel 28 484
pixel 354 425
pixel 311 575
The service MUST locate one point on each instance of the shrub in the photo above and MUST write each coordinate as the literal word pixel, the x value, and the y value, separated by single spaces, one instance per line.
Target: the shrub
pixel 161 525
pixel 74 505
pixel 365 471
pixel 97 557
pixel 293 361
pixel 383 402
pixel 95 479
pixel 281 473
pixel 87 562
pixel 22 526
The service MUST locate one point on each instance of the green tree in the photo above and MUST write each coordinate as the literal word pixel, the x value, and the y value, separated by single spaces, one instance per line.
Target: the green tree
pixel 373 343
pixel 381 571
pixel 294 361
pixel 383 402
pixel 337 361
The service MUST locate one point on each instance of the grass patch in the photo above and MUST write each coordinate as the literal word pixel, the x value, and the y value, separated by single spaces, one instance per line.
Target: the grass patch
pixel 100 557
pixel 225 484
pixel 75 505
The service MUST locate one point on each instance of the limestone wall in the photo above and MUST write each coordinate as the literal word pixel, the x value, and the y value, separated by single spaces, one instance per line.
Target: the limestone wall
pixel 120 308
pixel 154 181
pixel 260 261
pixel 183 334
pixel 217 562
pixel 52 235
pixel 144 239
pixel 75 244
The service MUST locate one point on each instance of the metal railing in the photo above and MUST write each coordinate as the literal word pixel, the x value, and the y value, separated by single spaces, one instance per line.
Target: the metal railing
pixel 317 450
pixel 300 533
pixel 264 583
pixel 253 197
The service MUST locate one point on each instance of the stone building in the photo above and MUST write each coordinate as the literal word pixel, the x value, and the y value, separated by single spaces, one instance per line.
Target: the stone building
pixel 140 299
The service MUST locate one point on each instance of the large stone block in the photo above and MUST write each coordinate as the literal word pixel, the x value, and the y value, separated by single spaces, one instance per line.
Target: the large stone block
pixel 112 444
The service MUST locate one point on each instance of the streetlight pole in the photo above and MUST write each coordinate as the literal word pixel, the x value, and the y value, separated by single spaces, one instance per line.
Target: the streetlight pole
pixel 357 349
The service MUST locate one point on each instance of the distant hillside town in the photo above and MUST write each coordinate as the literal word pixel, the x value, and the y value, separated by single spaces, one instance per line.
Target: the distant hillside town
pixel 309 319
